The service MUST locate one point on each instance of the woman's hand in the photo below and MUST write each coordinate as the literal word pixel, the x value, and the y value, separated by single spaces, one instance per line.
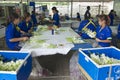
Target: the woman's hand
pixel 19 39
pixel 25 38
pixel 104 41
pixel 30 31
pixel 98 40
pixel 22 32
pixel 50 21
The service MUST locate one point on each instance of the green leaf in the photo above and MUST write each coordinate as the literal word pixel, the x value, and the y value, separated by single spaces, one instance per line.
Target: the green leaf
pixel 69 39
pixel 41 41
pixel 52 46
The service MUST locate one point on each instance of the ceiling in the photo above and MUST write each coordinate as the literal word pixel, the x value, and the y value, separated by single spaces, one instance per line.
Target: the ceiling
pixel 61 0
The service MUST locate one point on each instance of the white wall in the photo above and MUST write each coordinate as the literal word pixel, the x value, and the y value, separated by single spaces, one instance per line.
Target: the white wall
pixel 117 7
pixel 81 7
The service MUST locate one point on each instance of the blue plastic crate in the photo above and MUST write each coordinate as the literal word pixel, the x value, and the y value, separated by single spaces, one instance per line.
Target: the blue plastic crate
pixel 100 72
pixel 23 72
pixel 81 45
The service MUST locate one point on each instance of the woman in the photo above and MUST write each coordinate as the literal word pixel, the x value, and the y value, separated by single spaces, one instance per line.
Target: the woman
pixel 87 13
pixel 78 17
pixel 118 32
pixel 13 35
pixel 55 17
pixel 33 17
pixel 111 15
pixel 104 33
pixel 26 24
pixel 67 17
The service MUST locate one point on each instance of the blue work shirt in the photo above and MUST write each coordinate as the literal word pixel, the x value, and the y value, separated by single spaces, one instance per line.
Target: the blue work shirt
pixel 33 17
pixel 67 17
pixel 56 19
pixel 11 32
pixel 78 17
pixel 118 33
pixel 111 19
pixel 24 26
pixel 82 25
pixel 104 34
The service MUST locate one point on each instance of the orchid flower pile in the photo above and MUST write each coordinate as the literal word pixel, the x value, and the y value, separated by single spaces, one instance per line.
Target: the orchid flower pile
pixel 74 40
pixel 9 65
pixel 102 59
pixel 89 32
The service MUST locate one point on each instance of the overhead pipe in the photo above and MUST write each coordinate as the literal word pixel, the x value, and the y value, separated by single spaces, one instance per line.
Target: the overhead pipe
pixel 68 7
pixel 71 8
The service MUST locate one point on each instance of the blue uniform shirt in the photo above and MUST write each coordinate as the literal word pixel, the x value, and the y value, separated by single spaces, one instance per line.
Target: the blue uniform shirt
pixel 111 19
pixel 67 17
pixel 24 26
pixel 56 19
pixel 33 17
pixel 118 34
pixel 104 34
pixel 78 17
pixel 11 32
pixel 82 25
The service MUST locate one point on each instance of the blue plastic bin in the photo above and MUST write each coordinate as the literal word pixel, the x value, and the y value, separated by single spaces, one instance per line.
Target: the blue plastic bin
pixel 23 72
pixel 100 72
pixel 81 45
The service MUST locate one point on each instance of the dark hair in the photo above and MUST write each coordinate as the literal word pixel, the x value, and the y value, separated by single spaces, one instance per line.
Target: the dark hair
pixel 78 13
pixel 12 18
pixel 54 8
pixel 88 7
pixel 57 11
pixel 106 18
pixel 112 10
pixel 27 14
pixel 32 12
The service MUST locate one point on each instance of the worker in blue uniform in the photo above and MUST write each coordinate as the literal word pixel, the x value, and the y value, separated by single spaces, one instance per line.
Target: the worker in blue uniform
pixel 67 17
pixel 87 14
pixel 26 24
pixel 111 15
pixel 116 38
pixel 33 17
pixel 89 24
pixel 56 18
pixel 104 33
pixel 118 33
pixel 78 17
pixel 12 34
